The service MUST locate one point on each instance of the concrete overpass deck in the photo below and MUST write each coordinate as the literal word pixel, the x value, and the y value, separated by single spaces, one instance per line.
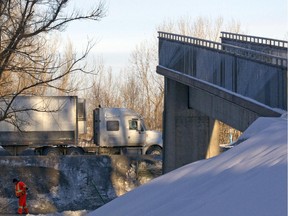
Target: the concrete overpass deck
pixel 235 81
pixel 219 103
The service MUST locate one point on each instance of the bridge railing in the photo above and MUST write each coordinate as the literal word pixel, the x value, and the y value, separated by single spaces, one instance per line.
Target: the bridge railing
pixel 230 49
pixel 255 39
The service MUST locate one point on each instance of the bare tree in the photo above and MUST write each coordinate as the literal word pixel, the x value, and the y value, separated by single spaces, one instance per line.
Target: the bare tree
pixel 200 27
pixel 144 59
pixel 71 83
pixel 131 92
pixel 105 90
pixel 27 65
pixel 143 89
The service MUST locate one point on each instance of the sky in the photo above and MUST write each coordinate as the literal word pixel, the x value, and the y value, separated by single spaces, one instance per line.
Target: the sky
pixel 249 179
pixel 129 23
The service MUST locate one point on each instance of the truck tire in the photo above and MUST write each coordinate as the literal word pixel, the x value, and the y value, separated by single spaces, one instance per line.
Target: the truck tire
pixel 75 151
pixel 51 151
pixel 154 150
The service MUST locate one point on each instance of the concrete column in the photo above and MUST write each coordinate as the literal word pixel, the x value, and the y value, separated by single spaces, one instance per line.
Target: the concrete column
pixel 187 133
pixel 169 130
pixel 213 148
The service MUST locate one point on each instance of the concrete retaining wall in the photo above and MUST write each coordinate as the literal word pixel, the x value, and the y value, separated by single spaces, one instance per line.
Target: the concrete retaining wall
pixel 73 182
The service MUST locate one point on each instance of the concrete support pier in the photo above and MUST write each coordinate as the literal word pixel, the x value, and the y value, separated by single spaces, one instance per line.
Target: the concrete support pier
pixel 192 135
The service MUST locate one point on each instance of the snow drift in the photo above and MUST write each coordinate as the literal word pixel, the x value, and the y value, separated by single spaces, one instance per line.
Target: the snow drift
pixel 249 179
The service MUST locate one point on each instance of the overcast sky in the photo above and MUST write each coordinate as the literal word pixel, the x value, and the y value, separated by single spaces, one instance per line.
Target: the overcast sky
pixel 130 22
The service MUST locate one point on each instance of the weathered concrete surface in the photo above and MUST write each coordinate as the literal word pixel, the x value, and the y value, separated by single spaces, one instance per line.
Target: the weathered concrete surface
pixel 216 102
pixel 73 182
pixel 188 134
pixel 190 128
pixel 230 69
pixel 207 81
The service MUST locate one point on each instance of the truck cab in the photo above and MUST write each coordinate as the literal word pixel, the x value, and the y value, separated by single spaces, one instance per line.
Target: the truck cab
pixel 123 131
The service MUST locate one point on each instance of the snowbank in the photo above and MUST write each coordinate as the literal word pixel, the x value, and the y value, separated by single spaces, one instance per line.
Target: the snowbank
pixel 65 213
pixel 249 179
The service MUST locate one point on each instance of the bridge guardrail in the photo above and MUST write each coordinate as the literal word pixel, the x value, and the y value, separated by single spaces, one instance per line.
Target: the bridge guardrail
pixel 255 39
pixel 230 49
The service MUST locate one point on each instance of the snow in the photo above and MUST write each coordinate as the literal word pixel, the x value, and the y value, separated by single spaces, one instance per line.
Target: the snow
pixel 66 213
pixel 249 179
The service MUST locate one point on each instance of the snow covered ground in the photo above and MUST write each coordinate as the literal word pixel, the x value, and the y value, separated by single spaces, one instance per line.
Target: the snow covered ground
pixel 249 179
pixel 66 213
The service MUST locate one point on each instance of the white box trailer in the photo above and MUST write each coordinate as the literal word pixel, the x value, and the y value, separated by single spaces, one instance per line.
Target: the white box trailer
pixel 42 121
pixel 52 125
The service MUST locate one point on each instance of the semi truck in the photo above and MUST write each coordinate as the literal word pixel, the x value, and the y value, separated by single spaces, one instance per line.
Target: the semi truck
pixel 54 125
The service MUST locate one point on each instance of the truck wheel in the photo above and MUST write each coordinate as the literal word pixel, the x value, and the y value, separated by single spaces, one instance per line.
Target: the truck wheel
pixel 154 150
pixel 52 151
pixel 75 151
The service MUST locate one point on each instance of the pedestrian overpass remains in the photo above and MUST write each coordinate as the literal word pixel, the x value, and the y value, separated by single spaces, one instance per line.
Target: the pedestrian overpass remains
pixel 236 81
